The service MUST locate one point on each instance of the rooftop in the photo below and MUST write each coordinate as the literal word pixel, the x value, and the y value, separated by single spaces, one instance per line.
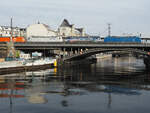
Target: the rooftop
pixel 65 23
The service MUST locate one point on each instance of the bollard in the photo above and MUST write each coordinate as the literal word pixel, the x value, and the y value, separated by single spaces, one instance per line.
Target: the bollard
pixel 55 63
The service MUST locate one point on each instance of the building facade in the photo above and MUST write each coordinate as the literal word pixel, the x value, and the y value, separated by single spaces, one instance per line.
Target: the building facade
pixel 40 30
pixel 5 31
pixel 66 29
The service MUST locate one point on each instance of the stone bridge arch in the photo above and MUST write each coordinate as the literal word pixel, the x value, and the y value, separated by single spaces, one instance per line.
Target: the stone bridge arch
pixel 90 52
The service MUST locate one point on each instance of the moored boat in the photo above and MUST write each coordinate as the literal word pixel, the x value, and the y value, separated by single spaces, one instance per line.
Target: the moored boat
pixel 26 65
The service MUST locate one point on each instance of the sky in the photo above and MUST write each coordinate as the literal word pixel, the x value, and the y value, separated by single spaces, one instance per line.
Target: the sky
pixel 125 16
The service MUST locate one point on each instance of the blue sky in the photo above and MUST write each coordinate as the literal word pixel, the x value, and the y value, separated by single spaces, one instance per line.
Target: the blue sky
pixel 126 16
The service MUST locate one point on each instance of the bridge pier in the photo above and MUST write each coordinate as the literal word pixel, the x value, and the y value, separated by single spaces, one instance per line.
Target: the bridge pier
pixel 115 55
pixel 147 62
pixel 64 52
pixel 71 52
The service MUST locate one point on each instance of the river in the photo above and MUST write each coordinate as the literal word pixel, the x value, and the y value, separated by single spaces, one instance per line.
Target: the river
pixel 112 85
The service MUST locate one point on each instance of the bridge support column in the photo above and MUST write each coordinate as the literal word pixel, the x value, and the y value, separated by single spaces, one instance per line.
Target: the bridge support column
pixel 147 62
pixel 78 50
pixel 64 52
pixel 71 52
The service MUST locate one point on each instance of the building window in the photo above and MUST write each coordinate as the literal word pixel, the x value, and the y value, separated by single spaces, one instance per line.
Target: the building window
pixel 63 29
pixel 63 34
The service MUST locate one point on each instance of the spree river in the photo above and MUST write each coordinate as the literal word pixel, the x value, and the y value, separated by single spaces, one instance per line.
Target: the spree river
pixel 112 85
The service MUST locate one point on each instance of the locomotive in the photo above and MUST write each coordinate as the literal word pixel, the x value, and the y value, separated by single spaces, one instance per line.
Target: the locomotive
pixel 14 39
pixel 122 39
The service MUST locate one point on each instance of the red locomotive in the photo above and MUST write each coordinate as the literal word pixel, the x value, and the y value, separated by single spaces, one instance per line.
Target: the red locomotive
pixel 14 39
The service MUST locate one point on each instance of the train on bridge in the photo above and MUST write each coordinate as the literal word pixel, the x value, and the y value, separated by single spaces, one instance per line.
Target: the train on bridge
pixel 92 39
pixel 14 39
pixel 122 39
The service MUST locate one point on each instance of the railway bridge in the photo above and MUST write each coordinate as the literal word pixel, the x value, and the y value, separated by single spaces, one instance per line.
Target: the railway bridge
pixel 51 45
pixel 88 49
pixel 93 48
pixel 90 52
pixel 75 48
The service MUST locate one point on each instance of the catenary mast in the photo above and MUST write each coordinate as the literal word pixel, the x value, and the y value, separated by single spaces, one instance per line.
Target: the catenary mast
pixel 11 49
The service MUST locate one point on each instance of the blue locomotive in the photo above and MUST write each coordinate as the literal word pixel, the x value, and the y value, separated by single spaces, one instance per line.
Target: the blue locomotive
pixel 122 39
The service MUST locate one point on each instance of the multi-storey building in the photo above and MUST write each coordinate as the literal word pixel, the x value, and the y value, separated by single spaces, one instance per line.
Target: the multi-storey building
pixel 42 30
pixel 66 29
pixel 5 31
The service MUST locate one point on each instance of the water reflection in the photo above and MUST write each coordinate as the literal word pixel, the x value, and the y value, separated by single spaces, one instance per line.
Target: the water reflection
pixel 83 88
pixel 11 89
